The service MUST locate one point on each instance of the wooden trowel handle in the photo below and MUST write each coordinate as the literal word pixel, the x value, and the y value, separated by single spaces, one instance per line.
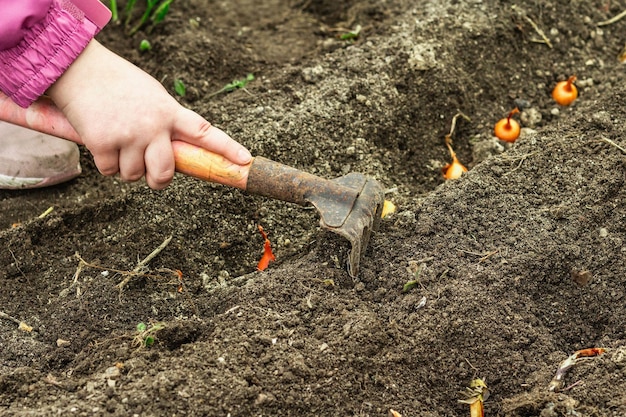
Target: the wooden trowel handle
pixel 43 116
pixel 209 166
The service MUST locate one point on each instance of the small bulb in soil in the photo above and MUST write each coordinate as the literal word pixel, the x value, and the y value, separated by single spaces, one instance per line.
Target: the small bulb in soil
pixel 508 129
pixel 454 169
pixel 565 92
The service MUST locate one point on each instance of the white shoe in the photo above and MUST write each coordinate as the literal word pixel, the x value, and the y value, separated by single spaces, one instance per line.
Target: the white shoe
pixel 29 159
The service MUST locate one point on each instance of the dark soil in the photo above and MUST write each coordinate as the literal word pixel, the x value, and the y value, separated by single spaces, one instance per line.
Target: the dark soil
pixel 500 250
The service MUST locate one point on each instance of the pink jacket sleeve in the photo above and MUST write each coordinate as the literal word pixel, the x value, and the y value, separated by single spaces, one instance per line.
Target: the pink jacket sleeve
pixel 39 39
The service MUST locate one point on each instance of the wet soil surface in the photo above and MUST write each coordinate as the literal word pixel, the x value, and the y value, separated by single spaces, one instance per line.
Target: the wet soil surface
pixel 514 266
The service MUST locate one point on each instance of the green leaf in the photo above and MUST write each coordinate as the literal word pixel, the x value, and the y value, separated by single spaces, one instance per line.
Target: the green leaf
pixel 113 7
pixel 234 85
pixel 128 11
pixel 148 341
pixel 354 34
pixel 161 11
pixel 409 285
pixel 141 327
pixel 130 5
pixel 179 87
pixel 239 83
pixel 145 45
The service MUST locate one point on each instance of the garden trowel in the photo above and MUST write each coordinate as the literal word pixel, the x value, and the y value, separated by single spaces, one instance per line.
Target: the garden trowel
pixel 350 205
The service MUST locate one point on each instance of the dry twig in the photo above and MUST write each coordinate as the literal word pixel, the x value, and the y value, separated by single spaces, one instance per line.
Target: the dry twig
pixel 610 142
pixel 612 20
pixel 521 158
pixel 544 38
pixel 5 316
pixel 483 256
pixel 453 124
pixel 21 325
pixel 17 263
pixel 139 269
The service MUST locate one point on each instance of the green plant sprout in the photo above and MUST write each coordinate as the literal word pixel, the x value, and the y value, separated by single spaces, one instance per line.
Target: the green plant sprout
pixel 351 35
pixel 113 7
pixel 146 335
pixel 161 11
pixel 236 84
pixel 409 285
pixel 179 87
pixel 154 12
pixel 145 45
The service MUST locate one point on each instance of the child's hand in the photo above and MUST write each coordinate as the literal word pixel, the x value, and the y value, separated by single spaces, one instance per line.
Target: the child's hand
pixel 127 119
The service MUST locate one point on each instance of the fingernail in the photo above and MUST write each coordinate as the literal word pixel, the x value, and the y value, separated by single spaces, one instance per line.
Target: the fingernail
pixel 244 155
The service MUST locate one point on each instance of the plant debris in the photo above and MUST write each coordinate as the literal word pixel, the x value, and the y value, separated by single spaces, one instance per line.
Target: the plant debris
pixel 475 395
pixel 268 255
pixel 388 208
pixel 557 381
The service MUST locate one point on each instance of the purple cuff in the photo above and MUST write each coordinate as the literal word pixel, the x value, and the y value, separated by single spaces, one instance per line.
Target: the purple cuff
pixel 46 51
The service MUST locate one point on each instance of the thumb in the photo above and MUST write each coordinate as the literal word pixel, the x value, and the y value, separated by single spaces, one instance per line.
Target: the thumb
pixel 190 127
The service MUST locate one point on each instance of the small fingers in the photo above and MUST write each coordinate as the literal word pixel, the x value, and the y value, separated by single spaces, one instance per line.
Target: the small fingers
pixel 156 162
pixel 132 165
pixel 107 162
pixel 191 127
pixel 159 161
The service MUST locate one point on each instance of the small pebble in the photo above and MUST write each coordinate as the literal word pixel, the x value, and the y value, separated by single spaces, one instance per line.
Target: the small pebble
pixel 63 343
pixel 521 103
pixel 530 117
